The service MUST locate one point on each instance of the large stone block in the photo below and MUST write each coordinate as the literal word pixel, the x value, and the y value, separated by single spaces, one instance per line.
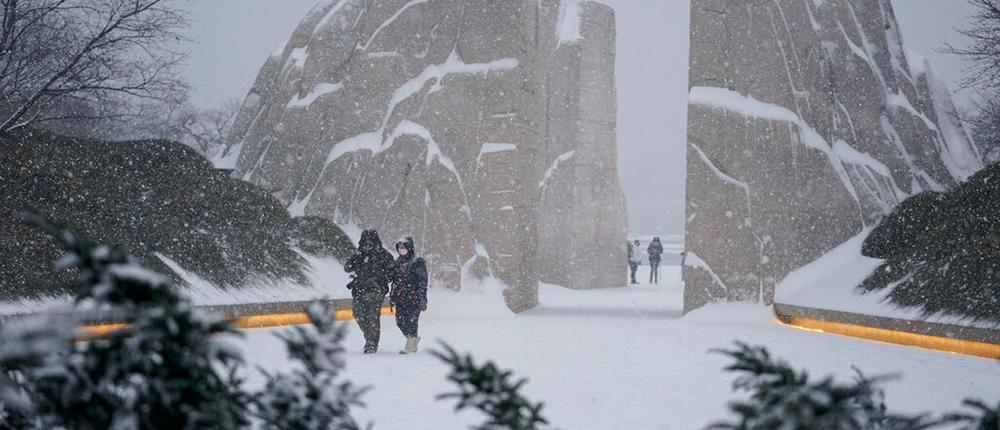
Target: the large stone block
pixel 434 118
pixel 581 222
pixel 808 122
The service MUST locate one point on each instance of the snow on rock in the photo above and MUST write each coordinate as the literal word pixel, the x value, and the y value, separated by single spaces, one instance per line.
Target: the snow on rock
pixel 568 28
pixel 390 21
pixel 555 165
pixel 419 100
pixel 316 92
pixel 808 122
pixel 332 10
pixel 693 261
pixel 958 153
pixel 493 148
pixel 715 169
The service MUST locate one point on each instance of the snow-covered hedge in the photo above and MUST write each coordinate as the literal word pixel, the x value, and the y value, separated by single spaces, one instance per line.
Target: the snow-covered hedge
pixel 149 197
pixel 941 251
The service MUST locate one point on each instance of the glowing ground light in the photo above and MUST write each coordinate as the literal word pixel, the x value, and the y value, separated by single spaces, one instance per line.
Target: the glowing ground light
pixel 244 322
pixel 958 346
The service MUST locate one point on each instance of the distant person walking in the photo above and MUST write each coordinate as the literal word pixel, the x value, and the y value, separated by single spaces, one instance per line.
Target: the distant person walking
pixel 655 251
pixel 684 256
pixel 409 292
pixel 372 269
pixel 634 258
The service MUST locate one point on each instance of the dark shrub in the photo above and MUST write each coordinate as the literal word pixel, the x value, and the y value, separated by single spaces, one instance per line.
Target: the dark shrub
pixel 148 197
pixel 942 250
pixel 321 236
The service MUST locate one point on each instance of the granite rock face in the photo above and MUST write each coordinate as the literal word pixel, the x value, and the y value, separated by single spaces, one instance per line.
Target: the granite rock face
pixel 433 118
pixel 582 222
pixel 808 123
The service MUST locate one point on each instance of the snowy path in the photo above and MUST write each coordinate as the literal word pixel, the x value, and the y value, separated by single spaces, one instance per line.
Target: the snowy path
pixel 622 359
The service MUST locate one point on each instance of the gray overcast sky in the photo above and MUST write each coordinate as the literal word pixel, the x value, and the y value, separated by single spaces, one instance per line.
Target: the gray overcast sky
pixel 236 36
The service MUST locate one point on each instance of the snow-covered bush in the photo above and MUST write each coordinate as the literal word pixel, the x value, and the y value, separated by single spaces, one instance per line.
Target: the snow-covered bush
pixel 492 391
pixel 784 398
pixel 154 200
pixel 310 398
pixel 320 236
pixel 169 369
pixel 981 417
pixel 37 343
pixel 940 252
pixel 984 125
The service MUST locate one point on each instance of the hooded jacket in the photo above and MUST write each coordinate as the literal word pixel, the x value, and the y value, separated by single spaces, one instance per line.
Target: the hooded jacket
pixel 372 266
pixel 409 285
pixel 655 250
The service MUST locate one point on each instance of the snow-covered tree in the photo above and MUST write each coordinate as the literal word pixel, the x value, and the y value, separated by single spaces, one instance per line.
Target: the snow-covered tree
pixel 178 119
pixel 35 343
pixel 784 398
pixel 492 391
pixel 980 416
pixel 982 54
pixel 312 397
pixel 982 73
pixel 206 129
pixel 169 369
pixel 985 125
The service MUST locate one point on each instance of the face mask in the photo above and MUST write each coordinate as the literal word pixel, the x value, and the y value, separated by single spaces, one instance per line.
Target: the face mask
pixel 403 251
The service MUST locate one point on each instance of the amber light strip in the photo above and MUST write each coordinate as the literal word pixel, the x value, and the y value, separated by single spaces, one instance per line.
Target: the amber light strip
pixel 958 346
pixel 244 322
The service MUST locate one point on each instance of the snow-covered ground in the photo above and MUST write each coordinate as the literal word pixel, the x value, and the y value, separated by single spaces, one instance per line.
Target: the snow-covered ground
pixel 622 359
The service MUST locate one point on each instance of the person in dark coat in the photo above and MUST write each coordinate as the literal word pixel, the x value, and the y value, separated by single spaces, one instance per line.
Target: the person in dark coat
pixel 655 250
pixel 372 269
pixel 633 259
pixel 409 292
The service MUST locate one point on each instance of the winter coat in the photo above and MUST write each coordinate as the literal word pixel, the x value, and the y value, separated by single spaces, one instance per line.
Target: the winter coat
pixel 634 255
pixel 655 250
pixel 409 285
pixel 372 267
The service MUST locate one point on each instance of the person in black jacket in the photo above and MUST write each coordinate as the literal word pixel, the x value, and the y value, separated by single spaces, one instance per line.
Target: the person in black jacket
pixel 409 292
pixel 655 251
pixel 372 269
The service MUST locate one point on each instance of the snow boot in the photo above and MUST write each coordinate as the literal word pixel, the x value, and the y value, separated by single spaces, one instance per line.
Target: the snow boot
pixel 411 345
pixel 370 348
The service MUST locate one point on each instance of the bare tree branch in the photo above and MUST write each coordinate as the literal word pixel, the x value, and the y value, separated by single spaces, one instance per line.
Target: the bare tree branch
pixel 102 51
pixel 982 55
